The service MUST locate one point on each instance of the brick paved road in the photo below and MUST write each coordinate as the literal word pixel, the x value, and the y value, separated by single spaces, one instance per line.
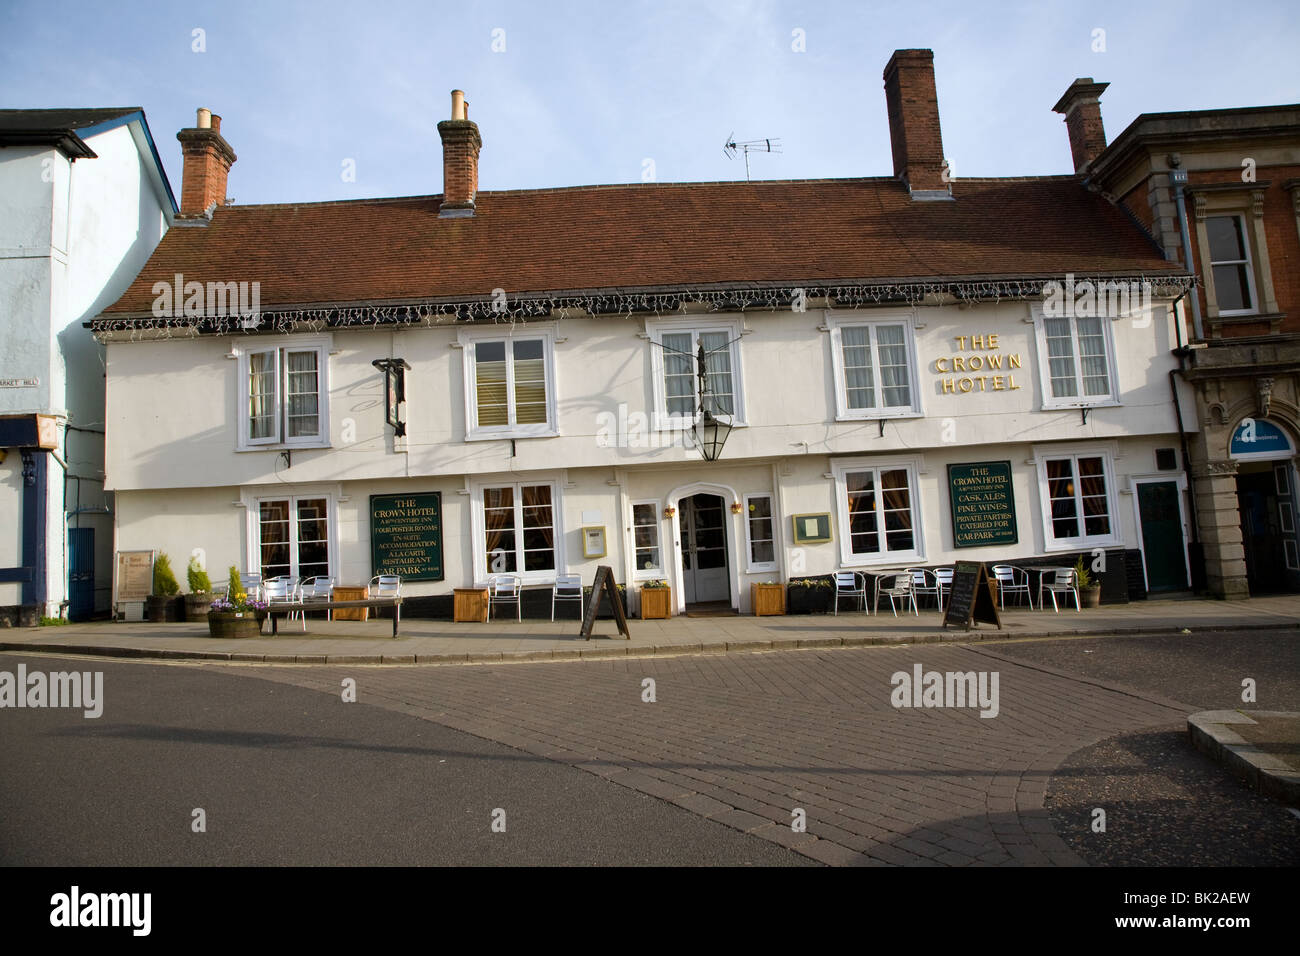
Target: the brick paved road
pixel 745 739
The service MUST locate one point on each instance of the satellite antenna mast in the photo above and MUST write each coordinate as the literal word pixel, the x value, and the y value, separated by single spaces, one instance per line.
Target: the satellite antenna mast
pixel 751 146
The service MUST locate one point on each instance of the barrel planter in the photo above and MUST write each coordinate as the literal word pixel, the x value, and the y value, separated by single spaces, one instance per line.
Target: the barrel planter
pixel 198 605
pixel 234 623
pixel 163 608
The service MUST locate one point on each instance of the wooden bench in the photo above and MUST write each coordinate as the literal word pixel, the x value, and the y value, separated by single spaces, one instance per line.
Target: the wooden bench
pixel 278 610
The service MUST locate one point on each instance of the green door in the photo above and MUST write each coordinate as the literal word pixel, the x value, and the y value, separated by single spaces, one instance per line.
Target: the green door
pixel 1162 536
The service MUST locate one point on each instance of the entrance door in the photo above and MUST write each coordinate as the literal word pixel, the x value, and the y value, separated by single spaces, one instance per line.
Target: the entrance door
pixel 81 574
pixel 704 549
pixel 1262 534
pixel 1162 535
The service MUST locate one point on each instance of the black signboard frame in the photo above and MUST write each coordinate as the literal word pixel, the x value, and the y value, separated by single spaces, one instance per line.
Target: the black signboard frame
pixel 970 598
pixel 604 583
pixel 423 496
pixel 1011 536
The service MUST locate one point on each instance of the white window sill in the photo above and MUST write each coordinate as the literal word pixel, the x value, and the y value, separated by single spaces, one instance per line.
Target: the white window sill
pixel 760 569
pixel 1081 544
pixel 283 446
pixel 877 415
pixel 685 424
pixel 896 559
pixel 1235 313
pixel 1058 406
pixel 480 435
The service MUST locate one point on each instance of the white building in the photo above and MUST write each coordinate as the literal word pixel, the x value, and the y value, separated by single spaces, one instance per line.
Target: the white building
pixel 876 343
pixel 83 202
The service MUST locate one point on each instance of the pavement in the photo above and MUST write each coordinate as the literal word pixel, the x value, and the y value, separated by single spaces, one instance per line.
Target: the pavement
pixel 444 642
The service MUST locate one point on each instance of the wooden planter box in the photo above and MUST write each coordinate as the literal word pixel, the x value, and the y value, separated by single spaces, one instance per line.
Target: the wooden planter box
pixel 234 624
pixel 469 605
pixel 767 599
pixel 343 593
pixel 656 603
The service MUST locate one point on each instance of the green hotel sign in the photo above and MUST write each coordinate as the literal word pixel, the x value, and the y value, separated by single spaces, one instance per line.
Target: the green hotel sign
pixel 406 536
pixel 983 504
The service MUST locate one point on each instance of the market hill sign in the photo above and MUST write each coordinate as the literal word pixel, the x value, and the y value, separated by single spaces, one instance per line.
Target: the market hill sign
pixel 993 360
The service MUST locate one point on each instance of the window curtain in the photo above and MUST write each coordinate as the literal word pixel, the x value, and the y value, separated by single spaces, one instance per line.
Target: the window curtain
pixel 859 383
pixel 490 383
pixel 891 346
pixel 897 499
pixel 1060 357
pixel 261 395
pixel 499 529
pixel 1092 356
pixel 717 370
pixel 303 412
pixel 530 382
pixel 539 528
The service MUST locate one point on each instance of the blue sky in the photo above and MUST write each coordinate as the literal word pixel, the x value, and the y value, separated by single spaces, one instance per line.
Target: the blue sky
pixel 586 92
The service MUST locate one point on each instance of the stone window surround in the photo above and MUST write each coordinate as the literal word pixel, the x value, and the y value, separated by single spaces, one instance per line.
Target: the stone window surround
pixel 1245 200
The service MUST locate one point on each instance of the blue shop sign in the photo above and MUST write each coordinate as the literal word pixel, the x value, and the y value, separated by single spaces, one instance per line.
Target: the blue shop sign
pixel 1256 437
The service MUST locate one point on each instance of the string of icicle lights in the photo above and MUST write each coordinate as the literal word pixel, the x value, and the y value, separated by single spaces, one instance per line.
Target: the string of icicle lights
pixel 510 309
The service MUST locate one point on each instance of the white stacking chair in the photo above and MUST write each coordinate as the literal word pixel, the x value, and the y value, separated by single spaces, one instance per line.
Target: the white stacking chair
pixel 850 584
pixel 897 585
pixel 943 577
pixel 251 583
pixel 1058 581
pixel 283 590
pixel 505 589
pixel 1012 580
pixel 318 589
pixel 567 587
pixel 384 586
pixel 924 582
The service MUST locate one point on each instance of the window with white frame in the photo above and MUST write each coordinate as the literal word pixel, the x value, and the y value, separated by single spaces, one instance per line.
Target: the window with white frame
pixel 1078 499
pixel 517 530
pixel 874 364
pixel 1230 264
pixel 645 538
pixel 674 360
pixel 284 397
pixel 293 536
pixel 759 533
pixel 1076 360
pixel 879 513
pixel 509 384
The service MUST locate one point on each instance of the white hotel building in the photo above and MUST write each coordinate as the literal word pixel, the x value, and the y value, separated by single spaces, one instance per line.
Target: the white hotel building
pixel 871 341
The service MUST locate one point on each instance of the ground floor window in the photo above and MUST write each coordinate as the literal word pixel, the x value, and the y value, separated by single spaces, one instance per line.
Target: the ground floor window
pixel 1077 487
pixel 879 515
pixel 293 537
pixel 519 529
pixel 645 532
pixel 759 533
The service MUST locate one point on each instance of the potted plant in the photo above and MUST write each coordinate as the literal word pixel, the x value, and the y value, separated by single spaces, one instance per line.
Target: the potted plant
pixel 656 600
pixel 162 604
pixel 810 595
pixel 199 601
pixel 604 612
pixel 235 615
pixel 1089 587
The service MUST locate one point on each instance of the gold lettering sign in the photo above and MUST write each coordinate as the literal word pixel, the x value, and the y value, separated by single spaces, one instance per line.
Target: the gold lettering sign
pixel 991 363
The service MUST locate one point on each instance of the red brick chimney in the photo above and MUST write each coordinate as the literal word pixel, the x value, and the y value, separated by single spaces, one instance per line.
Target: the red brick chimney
pixel 460 146
pixel 1081 104
pixel 208 158
pixel 914 123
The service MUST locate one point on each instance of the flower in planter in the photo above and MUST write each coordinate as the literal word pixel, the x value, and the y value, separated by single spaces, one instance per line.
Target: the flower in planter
pixel 654 585
pixel 224 605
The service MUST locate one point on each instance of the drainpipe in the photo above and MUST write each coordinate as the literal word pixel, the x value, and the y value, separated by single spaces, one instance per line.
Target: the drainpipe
pixel 1197 557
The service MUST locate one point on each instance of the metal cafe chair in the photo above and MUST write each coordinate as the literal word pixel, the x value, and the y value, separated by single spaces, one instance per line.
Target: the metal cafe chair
pixel 284 590
pixel 897 584
pixel 1057 580
pixel 850 584
pixel 567 587
pixel 505 589
pixel 924 582
pixel 251 583
pixel 944 577
pixel 1012 580
pixel 384 586
pixel 318 589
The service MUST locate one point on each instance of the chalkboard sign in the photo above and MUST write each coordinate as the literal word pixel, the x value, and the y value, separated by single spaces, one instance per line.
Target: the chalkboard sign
pixel 983 504
pixel 604 583
pixel 406 536
pixel 971 597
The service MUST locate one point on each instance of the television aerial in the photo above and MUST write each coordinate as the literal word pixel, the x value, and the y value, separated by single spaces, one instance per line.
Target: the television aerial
pixel 751 146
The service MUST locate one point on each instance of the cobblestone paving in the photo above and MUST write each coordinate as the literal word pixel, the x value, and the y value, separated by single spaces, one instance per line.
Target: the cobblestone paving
pixel 745 739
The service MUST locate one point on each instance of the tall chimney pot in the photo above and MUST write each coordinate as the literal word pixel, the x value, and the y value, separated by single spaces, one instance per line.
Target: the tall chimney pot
pixel 207 161
pixel 914 123
pixel 1081 105
pixel 460 148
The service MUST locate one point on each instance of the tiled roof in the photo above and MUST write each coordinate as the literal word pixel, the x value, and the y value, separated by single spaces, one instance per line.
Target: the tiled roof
pixel 683 236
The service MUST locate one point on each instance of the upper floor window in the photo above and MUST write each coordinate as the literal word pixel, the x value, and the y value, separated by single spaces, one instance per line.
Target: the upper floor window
pixel 509 384
pixel 874 364
pixel 675 363
pixel 284 398
pixel 1230 264
pixel 1076 360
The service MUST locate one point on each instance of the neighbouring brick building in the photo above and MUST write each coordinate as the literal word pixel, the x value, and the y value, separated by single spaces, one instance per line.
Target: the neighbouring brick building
pixel 1224 186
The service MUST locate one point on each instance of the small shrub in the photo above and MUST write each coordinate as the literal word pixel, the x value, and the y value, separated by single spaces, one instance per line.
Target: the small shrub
pixel 1081 571
pixel 54 621
pixel 164 579
pixel 197 578
pixel 237 592
pixel 654 585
